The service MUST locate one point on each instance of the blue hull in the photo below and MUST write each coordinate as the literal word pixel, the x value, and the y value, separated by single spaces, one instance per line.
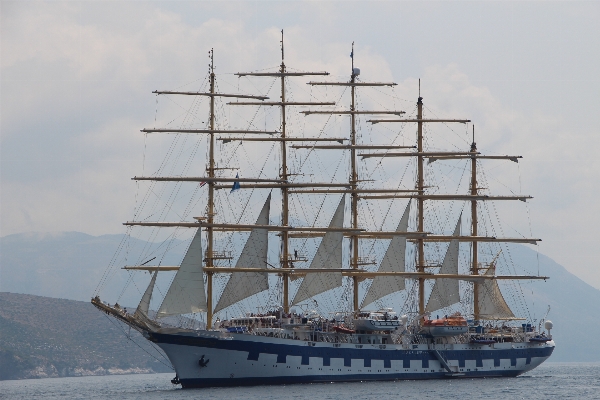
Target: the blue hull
pixel 244 360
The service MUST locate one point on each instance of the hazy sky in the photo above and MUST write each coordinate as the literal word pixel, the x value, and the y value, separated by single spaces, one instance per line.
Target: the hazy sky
pixel 76 79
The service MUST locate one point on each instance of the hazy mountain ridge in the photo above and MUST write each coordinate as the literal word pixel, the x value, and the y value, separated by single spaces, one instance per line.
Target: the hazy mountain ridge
pixel 70 265
pixel 45 337
pixel 47 264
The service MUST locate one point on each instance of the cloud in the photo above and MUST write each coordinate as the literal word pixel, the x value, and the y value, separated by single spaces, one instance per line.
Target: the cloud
pixel 77 77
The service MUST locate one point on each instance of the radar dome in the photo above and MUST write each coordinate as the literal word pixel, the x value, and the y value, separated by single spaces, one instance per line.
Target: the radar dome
pixel 548 325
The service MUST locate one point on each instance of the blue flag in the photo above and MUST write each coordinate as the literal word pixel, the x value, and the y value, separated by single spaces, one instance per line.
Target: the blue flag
pixel 236 184
pixel 352 54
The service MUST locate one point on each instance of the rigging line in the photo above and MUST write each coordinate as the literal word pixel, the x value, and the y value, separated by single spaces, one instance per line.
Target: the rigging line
pixel 111 265
pixel 162 166
pixel 373 99
pixel 449 127
pixel 395 97
pixel 507 252
pixel 236 85
pixel 321 131
pixel 482 171
pixel 500 182
pixel 185 112
pixel 537 252
pixel 189 83
pixel 242 213
pixel 251 82
pixel 299 88
pixel 166 242
pixel 137 344
pixel 127 283
pixel 137 183
pixel 322 204
pixel 175 192
pixel 379 163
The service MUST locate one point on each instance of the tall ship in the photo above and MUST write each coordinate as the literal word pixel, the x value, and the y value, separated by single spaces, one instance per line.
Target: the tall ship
pixel 384 258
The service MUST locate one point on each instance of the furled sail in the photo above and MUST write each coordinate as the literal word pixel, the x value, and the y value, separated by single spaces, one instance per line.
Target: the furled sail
pixel 186 293
pixel 254 255
pixel 142 308
pixel 491 302
pixel 393 261
pixel 329 255
pixel 445 292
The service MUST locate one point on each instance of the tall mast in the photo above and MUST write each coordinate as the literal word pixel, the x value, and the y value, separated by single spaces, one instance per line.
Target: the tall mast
pixel 286 259
pixel 211 192
pixel 353 184
pixel 474 266
pixel 284 190
pixel 355 193
pixel 420 200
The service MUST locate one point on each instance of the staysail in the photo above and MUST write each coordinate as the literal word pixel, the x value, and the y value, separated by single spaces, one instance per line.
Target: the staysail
pixel 491 302
pixel 144 305
pixel 393 261
pixel 254 255
pixel 186 293
pixel 329 255
pixel 445 292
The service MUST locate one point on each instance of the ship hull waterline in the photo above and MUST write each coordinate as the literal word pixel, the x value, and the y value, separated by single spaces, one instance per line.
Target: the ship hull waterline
pixel 247 360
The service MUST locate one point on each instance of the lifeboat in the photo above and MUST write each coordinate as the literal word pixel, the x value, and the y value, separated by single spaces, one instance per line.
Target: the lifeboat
pixel 540 339
pixel 452 325
pixel 343 329
pixel 382 320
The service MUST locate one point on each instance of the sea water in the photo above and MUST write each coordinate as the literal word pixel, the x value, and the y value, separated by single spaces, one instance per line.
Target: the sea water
pixel 549 381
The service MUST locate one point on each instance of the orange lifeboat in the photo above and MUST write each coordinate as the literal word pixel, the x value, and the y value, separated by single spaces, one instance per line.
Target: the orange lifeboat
pixel 342 329
pixel 452 325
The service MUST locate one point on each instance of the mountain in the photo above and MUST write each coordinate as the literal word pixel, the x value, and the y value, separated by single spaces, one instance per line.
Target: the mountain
pixel 45 337
pixel 574 306
pixel 70 265
pixel 66 265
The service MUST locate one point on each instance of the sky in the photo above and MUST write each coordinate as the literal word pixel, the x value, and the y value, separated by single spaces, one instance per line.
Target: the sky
pixel 76 82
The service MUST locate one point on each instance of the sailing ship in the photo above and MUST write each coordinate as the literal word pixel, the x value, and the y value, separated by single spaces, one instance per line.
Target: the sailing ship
pixel 290 339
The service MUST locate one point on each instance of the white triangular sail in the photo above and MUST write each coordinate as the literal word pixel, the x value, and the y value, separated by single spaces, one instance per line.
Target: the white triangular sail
pixel 393 261
pixel 445 292
pixel 186 293
pixel 329 255
pixel 142 308
pixel 491 302
pixel 254 255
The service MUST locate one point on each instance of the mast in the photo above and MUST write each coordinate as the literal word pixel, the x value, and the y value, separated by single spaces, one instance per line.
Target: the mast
pixel 474 267
pixel 284 190
pixel 420 217
pixel 355 193
pixel 211 193
pixel 353 184
pixel 286 260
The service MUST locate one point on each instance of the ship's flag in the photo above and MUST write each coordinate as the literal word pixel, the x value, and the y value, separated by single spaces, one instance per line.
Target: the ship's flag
pixel 352 54
pixel 202 184
pixel 236 184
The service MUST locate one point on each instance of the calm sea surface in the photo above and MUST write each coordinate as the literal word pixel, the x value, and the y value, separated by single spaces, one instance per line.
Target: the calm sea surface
pixel 549 381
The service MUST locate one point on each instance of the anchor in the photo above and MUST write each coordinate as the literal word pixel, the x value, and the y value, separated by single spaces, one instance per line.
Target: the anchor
pixel 175 381
pixel 203 363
